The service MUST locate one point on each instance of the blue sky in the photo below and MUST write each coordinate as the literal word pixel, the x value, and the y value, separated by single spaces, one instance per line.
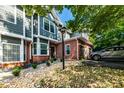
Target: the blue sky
pixel 65 15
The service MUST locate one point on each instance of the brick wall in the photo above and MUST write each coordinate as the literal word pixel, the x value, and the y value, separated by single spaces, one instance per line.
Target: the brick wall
pixel 73 46
pixel 40 58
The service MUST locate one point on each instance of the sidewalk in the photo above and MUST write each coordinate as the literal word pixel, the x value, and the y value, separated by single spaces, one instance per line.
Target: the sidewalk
pixel 5 75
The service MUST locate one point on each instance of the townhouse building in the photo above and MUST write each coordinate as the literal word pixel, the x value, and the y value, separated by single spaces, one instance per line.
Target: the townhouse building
pixel 24 38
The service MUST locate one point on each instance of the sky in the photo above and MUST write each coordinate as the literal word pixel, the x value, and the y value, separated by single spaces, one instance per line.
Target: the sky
pixel 65 15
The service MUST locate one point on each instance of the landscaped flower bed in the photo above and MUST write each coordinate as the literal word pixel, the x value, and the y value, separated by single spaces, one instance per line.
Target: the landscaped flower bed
pixel 83 76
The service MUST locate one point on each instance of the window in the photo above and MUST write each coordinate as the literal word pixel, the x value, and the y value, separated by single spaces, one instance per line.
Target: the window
pixel 28 26
pixel 43 48
pixel 109 49
pixel 34 48
pixel 52 27
pixel 8 13
pixel 46 24
pixel 11 52
pixel 35 24
pixel 68 49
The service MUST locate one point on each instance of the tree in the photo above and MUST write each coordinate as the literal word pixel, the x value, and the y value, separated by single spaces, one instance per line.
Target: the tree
pixel 42 10
pixel 105 23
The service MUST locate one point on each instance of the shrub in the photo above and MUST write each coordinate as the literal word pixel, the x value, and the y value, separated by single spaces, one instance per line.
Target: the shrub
pixel 51 60
pixel 16 71
pixel 34 66
pixel 48 63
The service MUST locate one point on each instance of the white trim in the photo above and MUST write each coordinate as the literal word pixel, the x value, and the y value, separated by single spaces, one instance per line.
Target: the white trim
pixel 65 49
pixel 43 23
pixel 23 22
pixel 15 15
pixel 33 48
pixel 19 53
pixel 32 26
pixel 9 62
pixel 41 55
pixel 4 32
pixel 1 51
pixel 22 50
pixel 53 26
pixel 50 22
pixel 47 48
pixel 38 46
pixel 11 43
pixel 38 25
pixel 44 37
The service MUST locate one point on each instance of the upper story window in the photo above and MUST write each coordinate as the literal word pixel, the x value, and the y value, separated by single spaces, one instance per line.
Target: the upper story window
pixel 49 25
pixel 35 24
pixel 52 27
pixel 8 13
pixel 46 24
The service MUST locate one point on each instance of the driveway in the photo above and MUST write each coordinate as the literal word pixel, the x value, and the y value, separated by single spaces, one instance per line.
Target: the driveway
pixel 106 63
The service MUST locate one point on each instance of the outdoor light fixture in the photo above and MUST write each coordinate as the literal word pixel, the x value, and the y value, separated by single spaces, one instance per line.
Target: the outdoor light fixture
pixel 62 30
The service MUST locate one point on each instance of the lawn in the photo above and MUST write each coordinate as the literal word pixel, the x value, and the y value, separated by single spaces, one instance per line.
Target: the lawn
pixel 82 76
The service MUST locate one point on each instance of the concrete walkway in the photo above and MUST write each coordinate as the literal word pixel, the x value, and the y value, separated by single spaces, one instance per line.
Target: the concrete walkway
pixel 5 75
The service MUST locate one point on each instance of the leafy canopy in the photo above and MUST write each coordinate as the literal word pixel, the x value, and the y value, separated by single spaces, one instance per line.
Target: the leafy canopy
pixel 104 23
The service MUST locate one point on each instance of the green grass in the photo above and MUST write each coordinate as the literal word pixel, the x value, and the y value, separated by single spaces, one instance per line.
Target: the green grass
pixel 82 76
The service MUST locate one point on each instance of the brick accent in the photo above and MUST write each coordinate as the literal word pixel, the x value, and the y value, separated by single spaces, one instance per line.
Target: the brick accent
pixel 40 58
pixel 73 46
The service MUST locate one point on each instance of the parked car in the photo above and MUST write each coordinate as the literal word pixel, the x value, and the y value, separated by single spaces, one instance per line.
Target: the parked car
pixel 109 53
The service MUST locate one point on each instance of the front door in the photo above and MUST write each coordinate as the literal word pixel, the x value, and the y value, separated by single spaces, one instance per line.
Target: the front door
pixel 81 52
pixel 52 52
pixel 27 51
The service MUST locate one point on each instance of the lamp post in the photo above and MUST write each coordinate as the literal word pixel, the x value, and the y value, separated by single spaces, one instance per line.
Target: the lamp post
pixel 62 30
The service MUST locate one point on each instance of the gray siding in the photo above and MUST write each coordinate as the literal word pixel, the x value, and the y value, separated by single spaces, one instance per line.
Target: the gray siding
pixel 11 27
pixel 47 33
pixel 10 24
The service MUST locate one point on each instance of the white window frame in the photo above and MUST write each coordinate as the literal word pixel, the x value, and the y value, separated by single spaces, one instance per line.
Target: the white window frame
pixel 50 22
pixel 47 48
pixel 53 27
pixel 15 16
pixel 33 48
pixel 19 53
pixel 66 48
pixel 44 24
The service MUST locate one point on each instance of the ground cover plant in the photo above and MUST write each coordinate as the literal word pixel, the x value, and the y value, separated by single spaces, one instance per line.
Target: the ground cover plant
pixel 82 76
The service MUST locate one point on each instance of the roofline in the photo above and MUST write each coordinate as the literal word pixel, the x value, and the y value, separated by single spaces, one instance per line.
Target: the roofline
pixel 78 37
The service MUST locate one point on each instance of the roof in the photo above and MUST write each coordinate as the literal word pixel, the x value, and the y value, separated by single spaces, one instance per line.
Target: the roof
pixel 79 38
